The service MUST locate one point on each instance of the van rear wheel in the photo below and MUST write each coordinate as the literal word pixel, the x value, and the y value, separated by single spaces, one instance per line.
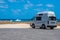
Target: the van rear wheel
pixel 33 26
pixel 51 27
pixel 43 27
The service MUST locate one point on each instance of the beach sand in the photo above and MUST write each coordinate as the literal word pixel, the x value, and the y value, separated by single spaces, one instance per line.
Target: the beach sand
pixel 58 23
pixel 21 25
pixel 18 25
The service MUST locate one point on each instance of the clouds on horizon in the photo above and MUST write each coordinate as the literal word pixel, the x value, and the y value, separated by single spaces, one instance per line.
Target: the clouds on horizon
pixel 49 5
pixel 3 6
pixel 29 4
pixel 15 7
pixel 39 5
pixel 16 11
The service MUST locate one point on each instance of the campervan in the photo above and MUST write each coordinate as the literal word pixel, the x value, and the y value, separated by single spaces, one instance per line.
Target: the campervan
pixel 45 20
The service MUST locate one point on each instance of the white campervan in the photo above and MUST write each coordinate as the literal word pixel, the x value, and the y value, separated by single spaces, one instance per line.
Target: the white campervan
pixel 46 19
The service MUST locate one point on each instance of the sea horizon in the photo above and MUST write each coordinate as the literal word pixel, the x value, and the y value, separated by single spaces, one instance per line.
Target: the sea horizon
pixel 21 20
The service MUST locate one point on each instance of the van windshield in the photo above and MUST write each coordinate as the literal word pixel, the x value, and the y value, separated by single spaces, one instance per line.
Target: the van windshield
pixel 52 18
pixel 38 18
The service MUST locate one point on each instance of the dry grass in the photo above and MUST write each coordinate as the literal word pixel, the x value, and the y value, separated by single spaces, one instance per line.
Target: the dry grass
pixel 58 23
pixel 8 22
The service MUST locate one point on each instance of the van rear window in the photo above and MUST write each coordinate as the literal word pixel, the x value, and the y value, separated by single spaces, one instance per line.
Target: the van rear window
pixel 52 18
pixel 38 18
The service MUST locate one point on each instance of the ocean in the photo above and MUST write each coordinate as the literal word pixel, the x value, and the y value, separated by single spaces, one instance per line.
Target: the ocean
pixel 16 20
pixel 58 20
pixel 21 20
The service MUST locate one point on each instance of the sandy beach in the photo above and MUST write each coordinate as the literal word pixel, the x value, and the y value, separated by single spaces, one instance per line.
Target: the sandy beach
pixel 4 24
pixel 21 25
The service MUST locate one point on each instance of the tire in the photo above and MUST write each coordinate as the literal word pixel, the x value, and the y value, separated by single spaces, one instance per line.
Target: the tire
pixel 43 27
pixel 51 27
pixel 47 27
pixel 33 26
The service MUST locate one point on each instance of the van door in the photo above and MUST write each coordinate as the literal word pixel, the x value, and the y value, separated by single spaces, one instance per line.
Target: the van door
pixel 38 21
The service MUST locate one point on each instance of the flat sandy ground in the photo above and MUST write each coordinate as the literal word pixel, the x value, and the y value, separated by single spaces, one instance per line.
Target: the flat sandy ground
pixel 58 23
pixel 21 25
pixel 23 31
pixel 18 24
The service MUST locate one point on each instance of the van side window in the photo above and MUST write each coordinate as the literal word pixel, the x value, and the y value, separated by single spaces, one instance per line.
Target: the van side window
pixel 38 18
pixel 52 18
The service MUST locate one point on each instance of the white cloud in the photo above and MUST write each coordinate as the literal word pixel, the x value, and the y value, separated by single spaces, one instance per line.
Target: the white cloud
pixel 39 5
pixel 42 9
pixel 37 9
pixel 12 0
pixel 29 4
pixel 3 6
pixel 16 11
pixel 2 1
pixel 26 6
pixel 49 5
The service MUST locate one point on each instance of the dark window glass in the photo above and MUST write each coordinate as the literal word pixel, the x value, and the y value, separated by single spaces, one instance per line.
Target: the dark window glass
pixel 38 18
pixel 40 14
pixel 52 18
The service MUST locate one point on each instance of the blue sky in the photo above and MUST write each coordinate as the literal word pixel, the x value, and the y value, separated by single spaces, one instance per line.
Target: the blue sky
pixel 26 9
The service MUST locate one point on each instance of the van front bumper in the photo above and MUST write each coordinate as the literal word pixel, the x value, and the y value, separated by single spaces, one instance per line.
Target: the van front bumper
pixel 52 26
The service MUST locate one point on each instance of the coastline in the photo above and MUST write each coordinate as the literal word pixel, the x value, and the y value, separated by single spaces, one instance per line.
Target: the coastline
pixel 8 22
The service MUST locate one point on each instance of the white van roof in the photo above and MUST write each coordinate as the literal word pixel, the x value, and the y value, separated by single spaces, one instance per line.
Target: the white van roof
pixel 50 13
